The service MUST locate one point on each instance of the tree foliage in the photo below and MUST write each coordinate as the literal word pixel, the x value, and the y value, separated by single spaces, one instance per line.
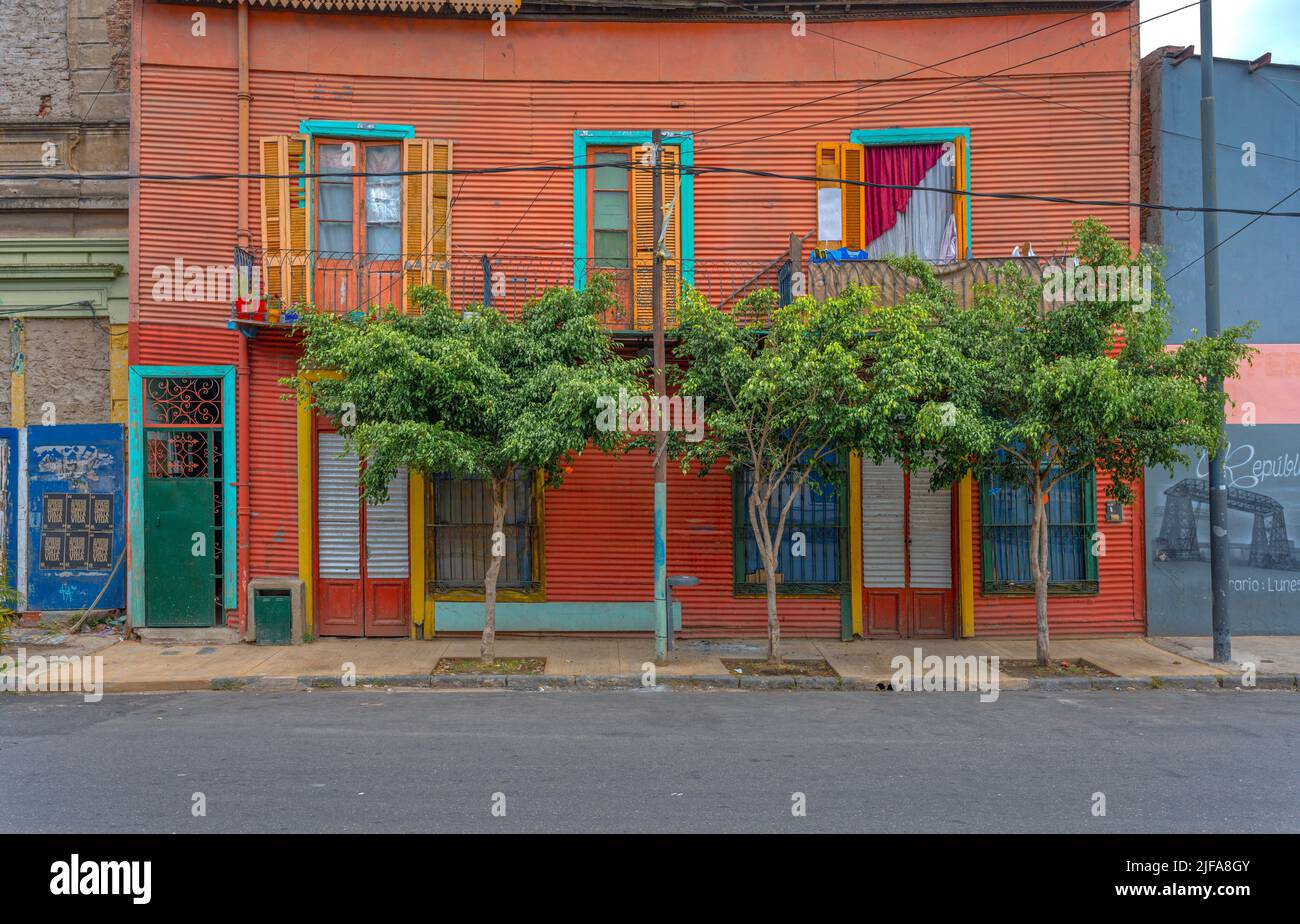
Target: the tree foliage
pixel 479 396
pixel 1031 391
pixel 784 400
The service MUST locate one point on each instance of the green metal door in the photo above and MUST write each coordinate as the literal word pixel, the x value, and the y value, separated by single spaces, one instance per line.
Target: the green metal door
pixel 182 547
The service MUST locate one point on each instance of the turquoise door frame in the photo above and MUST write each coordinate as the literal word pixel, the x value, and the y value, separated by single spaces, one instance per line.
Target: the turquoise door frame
pixel 138 610
pixel 683 141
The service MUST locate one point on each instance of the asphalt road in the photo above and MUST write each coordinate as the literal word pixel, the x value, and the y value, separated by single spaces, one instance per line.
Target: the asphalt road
pixel 648 761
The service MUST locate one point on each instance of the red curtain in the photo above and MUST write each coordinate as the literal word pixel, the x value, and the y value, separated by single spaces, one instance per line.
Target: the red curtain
pixel 900 165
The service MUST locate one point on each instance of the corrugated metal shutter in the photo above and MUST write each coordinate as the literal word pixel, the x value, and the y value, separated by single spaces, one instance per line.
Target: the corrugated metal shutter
pixel 931 547
pixel 882 525
pixel 339 523
pixel 387 539
pixel 272 478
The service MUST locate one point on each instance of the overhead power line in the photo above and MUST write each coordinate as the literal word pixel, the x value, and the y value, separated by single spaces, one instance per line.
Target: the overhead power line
pixel 884 80
pixel 697 170
pixel 962 83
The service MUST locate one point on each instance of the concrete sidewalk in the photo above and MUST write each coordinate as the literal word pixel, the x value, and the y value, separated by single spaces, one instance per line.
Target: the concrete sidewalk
pixel 861 664
pixel 1269 654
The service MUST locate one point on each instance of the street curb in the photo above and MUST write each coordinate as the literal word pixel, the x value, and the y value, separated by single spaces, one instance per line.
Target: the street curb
pixel 263 683
pixel 537 681
pixel 1188 682
pixel 1060 683
pixel 725 681
pixel 759 682
pixel 1121 683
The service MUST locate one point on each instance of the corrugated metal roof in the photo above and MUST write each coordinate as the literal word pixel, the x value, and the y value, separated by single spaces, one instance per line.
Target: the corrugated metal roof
pixel 698 10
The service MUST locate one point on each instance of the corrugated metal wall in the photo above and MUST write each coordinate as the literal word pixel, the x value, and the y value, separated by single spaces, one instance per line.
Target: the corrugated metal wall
pixel 1114 610
pixel 599 546
pixel 519 100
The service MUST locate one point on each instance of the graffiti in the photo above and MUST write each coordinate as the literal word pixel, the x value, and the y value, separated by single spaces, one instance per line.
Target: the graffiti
pixel 77 465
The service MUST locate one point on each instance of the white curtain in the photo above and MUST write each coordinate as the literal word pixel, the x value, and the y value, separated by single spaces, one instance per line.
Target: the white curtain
pixel 927 229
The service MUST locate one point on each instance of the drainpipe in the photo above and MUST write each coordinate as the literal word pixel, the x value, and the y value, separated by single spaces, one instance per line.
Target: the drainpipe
pixel 241 371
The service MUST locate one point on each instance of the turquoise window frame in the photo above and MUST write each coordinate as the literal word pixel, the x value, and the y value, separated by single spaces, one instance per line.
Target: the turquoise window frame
pixel 582 140
pixel 332 128
pixel 229 478
pixel 879 136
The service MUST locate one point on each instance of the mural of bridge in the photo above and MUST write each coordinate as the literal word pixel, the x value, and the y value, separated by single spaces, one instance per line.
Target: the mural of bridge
pixel 1269 545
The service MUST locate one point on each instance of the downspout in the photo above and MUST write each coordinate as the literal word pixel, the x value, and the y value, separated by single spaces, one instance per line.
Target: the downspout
pixel 242 370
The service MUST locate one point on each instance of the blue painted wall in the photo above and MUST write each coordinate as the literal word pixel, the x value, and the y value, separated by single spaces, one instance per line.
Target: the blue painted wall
pixel 1260 274
pixel 1260 266
pixel 67 462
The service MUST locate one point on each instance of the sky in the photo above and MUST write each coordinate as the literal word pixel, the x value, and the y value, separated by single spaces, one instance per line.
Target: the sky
pixel 1243 29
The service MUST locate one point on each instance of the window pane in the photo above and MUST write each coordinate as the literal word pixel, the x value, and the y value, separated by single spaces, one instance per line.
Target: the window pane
pixel 461 526
pixel 335 238
pixel 383 200
pixel 336 201
pixel 816 513
pixel 384 241
pixel 611 211
pixel 1006 516
pixel 383 158
pixel 338 158
pixel 611 249
pixel 611 177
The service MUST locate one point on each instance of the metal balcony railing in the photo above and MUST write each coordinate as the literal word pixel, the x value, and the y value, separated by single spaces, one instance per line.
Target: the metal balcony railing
pixel 829 279
pixel 283 283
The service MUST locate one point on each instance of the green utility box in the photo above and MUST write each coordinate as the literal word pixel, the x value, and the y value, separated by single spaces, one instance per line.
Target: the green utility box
pixel 273 610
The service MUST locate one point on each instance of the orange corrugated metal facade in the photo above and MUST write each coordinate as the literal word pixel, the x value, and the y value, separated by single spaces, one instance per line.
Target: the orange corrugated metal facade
pixel 1064 125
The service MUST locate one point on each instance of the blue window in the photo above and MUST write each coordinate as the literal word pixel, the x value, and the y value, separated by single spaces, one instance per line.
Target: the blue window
pixel 1006 515
pixel 814 545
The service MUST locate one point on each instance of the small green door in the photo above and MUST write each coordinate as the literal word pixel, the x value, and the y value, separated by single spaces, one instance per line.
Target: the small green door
pixel 181 548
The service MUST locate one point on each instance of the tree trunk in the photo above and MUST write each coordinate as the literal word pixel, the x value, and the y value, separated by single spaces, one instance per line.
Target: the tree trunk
pixel 773 625
pixel 767 552
pixel 1038 562
pixel 487 649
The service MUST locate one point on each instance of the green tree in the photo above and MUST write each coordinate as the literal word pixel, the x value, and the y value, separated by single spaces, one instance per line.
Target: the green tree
pixel 478 396
pixel 1034 383
pixel 783 401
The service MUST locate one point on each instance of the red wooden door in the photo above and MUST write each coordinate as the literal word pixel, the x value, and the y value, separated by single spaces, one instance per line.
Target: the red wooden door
pixel 906 555
pixel 362 550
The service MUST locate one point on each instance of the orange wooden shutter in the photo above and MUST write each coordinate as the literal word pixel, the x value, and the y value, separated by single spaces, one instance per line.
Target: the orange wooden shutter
pixel 853 170
pixel 426 214
pixel 439 204
pixel 286 216
pixel 961 204
pixel 643 242
pixel 828 175
pixel 837 162
pixel 415 213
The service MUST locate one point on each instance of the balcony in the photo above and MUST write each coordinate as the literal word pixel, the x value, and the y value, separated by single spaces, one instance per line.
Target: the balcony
pixel 828 279
pixel 348 283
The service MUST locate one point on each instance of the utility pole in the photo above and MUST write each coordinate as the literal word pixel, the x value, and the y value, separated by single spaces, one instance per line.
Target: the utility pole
pixel 661 433
pixel 1210 223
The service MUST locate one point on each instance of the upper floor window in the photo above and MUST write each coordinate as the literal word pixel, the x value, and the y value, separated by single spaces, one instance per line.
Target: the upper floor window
pixel 359 214
pixel 909 212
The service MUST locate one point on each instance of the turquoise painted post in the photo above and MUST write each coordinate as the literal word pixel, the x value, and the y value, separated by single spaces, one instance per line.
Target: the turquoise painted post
pixel 661 571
